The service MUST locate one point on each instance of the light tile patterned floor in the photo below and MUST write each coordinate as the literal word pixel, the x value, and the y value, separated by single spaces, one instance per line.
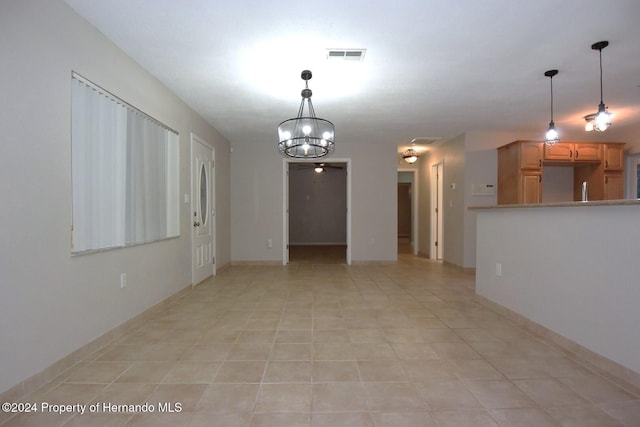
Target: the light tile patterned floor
pixel 332 345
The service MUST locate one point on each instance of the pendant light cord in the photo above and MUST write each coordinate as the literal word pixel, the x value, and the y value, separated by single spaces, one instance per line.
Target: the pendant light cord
pixel 600 50
pixel 551 99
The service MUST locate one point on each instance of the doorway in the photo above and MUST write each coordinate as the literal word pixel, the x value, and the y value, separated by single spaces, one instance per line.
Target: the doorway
pixel 437 224
pixel 203 210
pixel 317 212
pixel 408 217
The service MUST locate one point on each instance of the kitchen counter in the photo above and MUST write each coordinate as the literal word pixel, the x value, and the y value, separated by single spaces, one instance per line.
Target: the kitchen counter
pixel 571 270
pixel 622 202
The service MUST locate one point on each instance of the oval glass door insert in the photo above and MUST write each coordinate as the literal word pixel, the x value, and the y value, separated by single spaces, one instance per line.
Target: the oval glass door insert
pixel 203 194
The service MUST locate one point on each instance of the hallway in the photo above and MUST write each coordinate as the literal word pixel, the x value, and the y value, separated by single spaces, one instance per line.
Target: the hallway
pixel 403 344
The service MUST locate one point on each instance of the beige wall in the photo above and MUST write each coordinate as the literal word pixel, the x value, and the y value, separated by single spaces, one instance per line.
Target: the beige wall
pixel 258 194
pixel 451 154
pixel 573 270
pixel 51 303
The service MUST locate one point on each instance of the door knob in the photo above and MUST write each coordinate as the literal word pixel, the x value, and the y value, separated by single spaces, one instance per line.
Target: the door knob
pixel 196 224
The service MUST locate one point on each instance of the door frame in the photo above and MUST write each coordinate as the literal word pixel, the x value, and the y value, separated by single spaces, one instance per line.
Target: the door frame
pixel 285 205
pixel 437 218
pixel 212 202
pixel 415 220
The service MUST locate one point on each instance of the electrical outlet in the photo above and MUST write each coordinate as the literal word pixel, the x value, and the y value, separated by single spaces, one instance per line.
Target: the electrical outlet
pixel 498 269
pixel 270 243
pixel 123 280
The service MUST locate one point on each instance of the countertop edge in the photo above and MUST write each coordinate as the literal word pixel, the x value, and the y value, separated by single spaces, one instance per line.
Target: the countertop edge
pixel 623 202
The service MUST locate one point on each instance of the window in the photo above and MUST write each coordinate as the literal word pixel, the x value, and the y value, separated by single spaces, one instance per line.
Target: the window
pixel 124 172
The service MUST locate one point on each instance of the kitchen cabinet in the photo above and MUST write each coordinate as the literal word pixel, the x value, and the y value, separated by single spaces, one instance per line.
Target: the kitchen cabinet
pixel 573 152
pixel 613 186
pixel 520 173
pixel 520 166
pixel 531 181
pixel 613 156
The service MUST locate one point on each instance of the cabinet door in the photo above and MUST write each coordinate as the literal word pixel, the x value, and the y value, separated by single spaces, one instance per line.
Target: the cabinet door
pixel 531 191
pixel 562 151
pixel 531 155
pixel 587 152
pixel 613 186
pixel 613 157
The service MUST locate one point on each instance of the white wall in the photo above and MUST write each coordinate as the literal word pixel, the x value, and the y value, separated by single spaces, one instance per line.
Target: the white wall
pixel 480 167
pixel 573 270
pixel 257 199
pixel 451 154
pixel 51 303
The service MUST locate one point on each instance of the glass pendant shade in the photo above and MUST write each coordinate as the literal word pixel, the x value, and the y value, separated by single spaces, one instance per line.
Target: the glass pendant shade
pixel 410 156
pixel 602 121
pixel 552 137
pixel 306 136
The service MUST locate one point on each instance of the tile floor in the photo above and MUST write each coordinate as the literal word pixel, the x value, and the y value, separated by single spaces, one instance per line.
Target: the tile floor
pixel 332 345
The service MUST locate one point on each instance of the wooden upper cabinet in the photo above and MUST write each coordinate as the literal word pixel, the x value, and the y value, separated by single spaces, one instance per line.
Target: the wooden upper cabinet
pixel 521 163
pixel 561 151
pixel 585 151
pixel 573 152
pixel 613 156
pixel 530 155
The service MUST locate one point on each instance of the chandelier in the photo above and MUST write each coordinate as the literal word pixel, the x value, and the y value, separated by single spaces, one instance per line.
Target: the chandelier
pixel 306 136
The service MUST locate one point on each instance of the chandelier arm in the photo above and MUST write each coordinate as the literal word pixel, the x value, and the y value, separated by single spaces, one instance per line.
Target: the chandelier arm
pixel 301 108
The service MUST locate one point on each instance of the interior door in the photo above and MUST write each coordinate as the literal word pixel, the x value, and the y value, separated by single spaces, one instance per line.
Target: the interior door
pixel 202 221
pixel 437 223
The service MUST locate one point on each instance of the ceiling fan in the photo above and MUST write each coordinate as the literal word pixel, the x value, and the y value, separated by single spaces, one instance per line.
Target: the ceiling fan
pixel 320 167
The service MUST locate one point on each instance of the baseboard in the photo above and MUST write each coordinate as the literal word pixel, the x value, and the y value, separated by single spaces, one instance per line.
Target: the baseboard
pixel 613 371
pixel 35 382
pixel 255 263
pixel 380 262
pixel 319 244
pixel 467 270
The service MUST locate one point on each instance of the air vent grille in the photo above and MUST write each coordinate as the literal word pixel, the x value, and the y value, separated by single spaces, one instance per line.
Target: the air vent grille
pixel 346 54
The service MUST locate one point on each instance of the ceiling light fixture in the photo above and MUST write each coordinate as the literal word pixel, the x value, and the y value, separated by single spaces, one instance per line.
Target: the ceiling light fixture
pixel 306 137
pixel 601 120
pixel 410 156
pixel 551 137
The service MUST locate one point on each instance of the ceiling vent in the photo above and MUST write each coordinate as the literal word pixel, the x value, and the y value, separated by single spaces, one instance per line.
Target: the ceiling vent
pixel 346 54
pixel 425 140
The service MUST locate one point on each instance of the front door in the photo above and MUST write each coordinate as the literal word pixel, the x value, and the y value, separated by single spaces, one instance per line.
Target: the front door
pixel 202 211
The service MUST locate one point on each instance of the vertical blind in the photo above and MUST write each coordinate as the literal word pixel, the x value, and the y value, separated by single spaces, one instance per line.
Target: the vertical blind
pixel 124 172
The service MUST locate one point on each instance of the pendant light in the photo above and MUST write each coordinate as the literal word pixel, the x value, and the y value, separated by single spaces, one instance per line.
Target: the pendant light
pixel 601 120
pixel 410 156
pixel 551 137
pixel 306 136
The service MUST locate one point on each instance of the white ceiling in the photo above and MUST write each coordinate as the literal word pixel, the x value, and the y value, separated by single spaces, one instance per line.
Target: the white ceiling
pixel 431 69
